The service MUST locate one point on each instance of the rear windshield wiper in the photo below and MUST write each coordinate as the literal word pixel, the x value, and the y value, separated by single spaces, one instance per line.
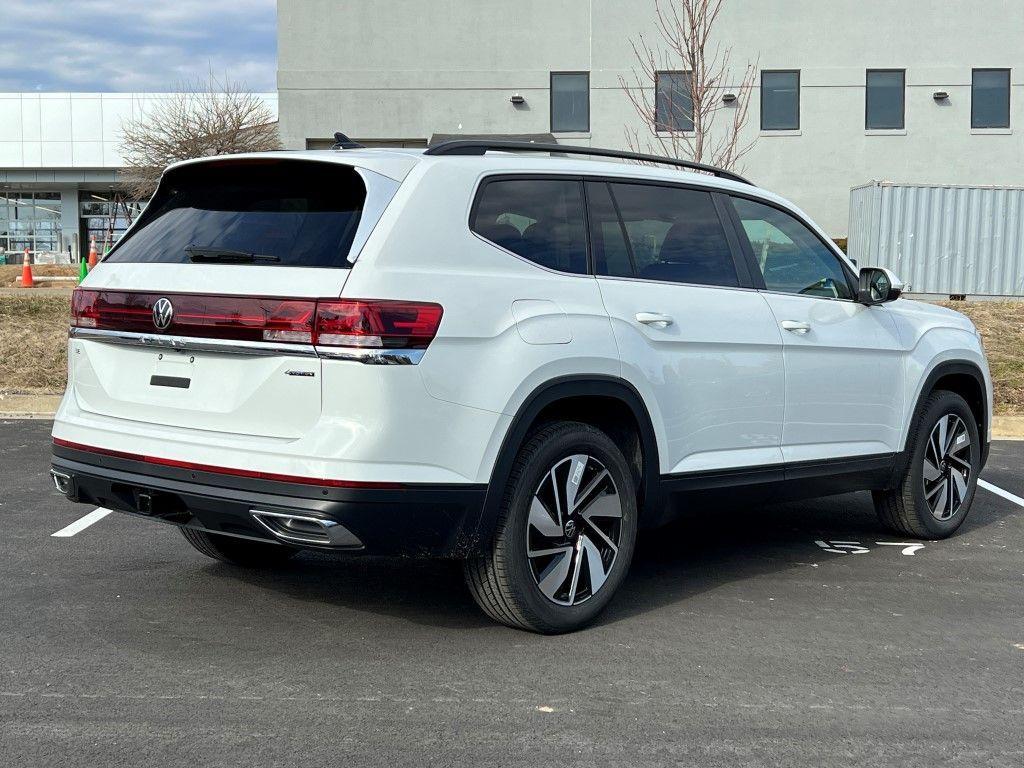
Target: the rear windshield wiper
pixel 226 255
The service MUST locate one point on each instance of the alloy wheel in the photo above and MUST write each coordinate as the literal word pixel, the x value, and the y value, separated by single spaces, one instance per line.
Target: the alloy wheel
pixel 947 467
pixel 572 532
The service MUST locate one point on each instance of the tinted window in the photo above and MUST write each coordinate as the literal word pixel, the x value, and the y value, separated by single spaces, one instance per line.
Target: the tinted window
pixel 990 98
pixel 884 96
pixel 671 234
pixel 297 213
pixel 607 235
pixel 673 101
pixel 570 101
pixel 539 219
pixel 780 101
pixel 790 256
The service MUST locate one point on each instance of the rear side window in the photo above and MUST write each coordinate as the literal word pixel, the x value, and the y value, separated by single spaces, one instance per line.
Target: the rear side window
pixel 538 219
pixel 667 234
pixel 290 213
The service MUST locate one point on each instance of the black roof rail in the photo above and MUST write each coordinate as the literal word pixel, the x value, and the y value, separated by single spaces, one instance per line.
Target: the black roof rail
pixel 480 147
pixel 341 141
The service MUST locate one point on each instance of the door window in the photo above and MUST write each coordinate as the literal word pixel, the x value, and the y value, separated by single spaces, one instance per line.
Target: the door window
pixel 660 233
pixel 538 219
pixel 790 256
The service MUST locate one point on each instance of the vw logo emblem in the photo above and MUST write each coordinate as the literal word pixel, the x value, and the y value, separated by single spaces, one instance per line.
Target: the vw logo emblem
pixel 163 313
pixel 570 529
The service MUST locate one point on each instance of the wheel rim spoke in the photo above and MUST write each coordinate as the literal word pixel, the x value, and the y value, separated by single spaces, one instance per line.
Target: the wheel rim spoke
pixel 554 575
pixel 603 535
pixel 541 519
pixel 595 565
pixel 960 483
pixel 931 472
pixel 578 561
pixel 606 505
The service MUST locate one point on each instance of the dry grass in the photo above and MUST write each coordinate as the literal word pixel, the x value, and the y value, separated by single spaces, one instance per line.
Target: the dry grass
pixel 33 336
pixel 1002 329
pixel 11 273
pixel 33 341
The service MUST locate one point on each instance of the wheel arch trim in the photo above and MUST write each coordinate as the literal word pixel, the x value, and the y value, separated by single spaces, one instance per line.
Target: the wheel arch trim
pixel 567 388
pixel 937 372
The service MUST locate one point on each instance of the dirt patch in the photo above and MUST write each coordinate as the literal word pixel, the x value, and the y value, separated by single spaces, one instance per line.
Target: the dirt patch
pixel 1001 324
pixel 33 341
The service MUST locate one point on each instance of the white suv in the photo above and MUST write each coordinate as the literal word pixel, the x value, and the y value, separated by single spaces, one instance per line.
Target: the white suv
pixel 486 352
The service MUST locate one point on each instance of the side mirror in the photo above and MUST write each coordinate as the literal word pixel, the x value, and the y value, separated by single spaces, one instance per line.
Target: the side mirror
pixel 877 286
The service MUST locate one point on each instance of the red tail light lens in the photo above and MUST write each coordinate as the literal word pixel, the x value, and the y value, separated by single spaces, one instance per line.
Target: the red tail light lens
pixel 221 317
pixel 376 324
pixel 328 322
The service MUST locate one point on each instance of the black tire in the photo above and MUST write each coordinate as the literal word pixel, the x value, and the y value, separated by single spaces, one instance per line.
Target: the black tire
pixel 231 549
pixel 504 581
pixel 906 510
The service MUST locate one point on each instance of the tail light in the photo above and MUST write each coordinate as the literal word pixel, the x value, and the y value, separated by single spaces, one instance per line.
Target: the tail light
pixel 363 323
pixel 376 324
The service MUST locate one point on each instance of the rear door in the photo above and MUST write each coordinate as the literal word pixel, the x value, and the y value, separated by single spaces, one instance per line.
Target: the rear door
pixel 688 326
pixel 844 365
pixel 202 316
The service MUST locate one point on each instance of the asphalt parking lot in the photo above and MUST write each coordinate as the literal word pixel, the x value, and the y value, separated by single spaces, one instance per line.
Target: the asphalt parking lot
pixel 738 639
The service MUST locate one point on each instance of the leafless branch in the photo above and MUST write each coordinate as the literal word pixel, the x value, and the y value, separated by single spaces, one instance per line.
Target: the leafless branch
pixel 201 119
pixel 685 31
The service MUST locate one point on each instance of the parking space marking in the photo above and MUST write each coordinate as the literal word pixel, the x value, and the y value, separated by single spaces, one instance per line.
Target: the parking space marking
pixel 1000 492
pixel 83 522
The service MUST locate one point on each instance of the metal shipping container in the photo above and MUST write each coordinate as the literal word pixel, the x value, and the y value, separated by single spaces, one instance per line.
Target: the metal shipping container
pixel 944 240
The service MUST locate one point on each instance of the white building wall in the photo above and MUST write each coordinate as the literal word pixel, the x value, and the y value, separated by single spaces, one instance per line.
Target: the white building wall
pixel 71 130
pixel 399 69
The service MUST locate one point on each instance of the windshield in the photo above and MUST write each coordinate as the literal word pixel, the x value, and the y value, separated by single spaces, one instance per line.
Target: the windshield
pixel 289 213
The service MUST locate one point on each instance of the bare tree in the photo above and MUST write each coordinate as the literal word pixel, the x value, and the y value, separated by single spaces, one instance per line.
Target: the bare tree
pixel 686 51
pixel 203 118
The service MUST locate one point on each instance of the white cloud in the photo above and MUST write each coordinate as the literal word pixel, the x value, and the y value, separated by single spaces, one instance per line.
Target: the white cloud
pixel 117 45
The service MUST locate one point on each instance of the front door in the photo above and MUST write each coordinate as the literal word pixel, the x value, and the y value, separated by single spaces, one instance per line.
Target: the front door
pixel 705 349
pixel 844 365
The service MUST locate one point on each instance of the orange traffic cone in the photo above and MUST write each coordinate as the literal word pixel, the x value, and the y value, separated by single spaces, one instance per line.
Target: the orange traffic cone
pixel 92 253
pixel 26 271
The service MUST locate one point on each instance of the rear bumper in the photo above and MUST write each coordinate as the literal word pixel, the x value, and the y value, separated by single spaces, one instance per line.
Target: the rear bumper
pixel 416 520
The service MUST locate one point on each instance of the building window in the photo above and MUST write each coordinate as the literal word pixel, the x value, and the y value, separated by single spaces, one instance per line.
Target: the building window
pixel 29 220
pixel 673 101
pixel 884 100
pixel 570 102
pixel 990 98
pixel 780 100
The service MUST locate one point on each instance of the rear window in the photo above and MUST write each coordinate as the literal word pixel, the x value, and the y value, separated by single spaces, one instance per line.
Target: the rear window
pixel 289 213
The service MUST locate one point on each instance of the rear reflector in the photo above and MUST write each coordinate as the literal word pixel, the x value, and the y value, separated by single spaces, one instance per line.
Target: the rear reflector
pixel 226 470
pixel 327 322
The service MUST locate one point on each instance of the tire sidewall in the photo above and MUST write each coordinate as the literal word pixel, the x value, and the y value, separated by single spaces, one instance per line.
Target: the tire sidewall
pixel 945 404
pixel 576 438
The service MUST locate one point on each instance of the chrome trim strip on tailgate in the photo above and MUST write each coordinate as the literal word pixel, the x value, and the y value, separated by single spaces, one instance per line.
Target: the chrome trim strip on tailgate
pixel 189 344
pixel 373 356
pixel 368 356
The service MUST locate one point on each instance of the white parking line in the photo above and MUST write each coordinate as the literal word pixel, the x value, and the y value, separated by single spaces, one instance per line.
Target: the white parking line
pixel 83 522
pixel 1000 492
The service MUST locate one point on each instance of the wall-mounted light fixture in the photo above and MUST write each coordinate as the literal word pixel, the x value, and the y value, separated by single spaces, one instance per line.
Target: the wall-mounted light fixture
pixel 940 95
pixel 729 98
pixel 517 99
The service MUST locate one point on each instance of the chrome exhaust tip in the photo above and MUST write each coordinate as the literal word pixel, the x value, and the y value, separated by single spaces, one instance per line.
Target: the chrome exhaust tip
pixel 63 482
pixel 307 530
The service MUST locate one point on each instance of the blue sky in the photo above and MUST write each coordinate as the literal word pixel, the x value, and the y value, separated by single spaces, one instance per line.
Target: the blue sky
pixel 136 45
